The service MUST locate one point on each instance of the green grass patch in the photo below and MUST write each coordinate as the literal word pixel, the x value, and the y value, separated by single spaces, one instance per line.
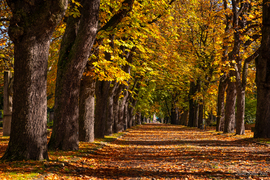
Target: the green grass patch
pixel 264 140
pixel 20 176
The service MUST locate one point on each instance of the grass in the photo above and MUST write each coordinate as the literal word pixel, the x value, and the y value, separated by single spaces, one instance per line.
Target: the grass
pixel 59 160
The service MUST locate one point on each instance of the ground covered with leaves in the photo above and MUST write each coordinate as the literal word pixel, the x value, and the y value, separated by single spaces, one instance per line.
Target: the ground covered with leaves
pixel 152 151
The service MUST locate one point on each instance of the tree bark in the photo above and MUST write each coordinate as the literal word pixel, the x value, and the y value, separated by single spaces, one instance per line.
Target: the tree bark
pixel 240 114
pixel 220 105
pixel 116 106
pixel 87 109
pixel 184 118
pixel 110 115
pixel 31 28
pixel 174 115
pixel 200 118
pixel 230 108
pixel 193 120
pixel 102 94
pixel 262 125
pixel 123 112
pixel 74 52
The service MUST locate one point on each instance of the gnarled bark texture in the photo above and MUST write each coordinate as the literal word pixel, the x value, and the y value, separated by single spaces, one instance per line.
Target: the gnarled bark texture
pixel 75 49
pixel 31 28
pixel 262 127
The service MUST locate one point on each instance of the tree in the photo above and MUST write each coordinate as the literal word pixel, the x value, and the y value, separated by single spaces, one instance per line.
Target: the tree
pixel 30 29
pixel 263 78
pixel 75 49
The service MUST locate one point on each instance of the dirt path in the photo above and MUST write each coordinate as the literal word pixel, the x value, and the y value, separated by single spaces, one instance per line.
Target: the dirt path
pixel 154 151
pixel 163 151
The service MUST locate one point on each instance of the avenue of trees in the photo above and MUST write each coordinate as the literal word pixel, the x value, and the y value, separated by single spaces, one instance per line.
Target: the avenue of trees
pixel 104 66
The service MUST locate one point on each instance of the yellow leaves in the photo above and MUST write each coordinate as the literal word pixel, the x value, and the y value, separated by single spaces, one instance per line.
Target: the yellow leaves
pixel 233 79
pixel 109 71
pixel 73 9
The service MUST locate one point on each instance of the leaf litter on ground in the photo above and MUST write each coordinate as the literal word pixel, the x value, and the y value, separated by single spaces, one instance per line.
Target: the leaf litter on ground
pixel 152 151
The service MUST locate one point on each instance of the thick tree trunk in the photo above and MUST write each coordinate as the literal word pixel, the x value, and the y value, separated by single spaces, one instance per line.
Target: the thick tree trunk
pixel 117 125
pixel 130 116
pixel 196 114
pixel 230 108
pixel 8 91
pixel 87 109
pixel 110 118
pixel 110 112
pixel 123 112
pixel 262 127
pixel 75 49
pixel 173 115
pixel 240 114
pixel 200 118
pixel 138 118
pixel 193 120
pixel 144 119
pixel 126 116
pixel 221 105
pixel 184 118
pixel 30 29
pixel 102 93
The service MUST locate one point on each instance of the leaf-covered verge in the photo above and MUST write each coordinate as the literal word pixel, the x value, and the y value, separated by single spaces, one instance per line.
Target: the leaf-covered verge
pixel 152 151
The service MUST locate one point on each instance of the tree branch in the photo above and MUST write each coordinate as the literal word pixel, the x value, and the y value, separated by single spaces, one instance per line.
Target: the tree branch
pixel 254 38
pixel 253 56
pixel 159 16
pixel 250 27
pixel 117 18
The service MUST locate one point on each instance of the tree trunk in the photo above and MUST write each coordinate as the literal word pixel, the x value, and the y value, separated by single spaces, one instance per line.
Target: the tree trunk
pixel 192 122
pixel 8 91
pixel 123 112
pixel 200 118
pixel 31 28
pixel 230 108
pixel 109 118
pixel 184 118
pixel 75 49
pixel 126 116
pixel 174 115
pixel 87 109
pixel 262 126
pixel 130 116
pixel 220 105
pixel 117 125
pixel 240 114
pixel 102 92
pixel 138 118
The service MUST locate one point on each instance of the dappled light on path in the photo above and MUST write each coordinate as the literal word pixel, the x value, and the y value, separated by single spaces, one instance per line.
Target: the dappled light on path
pixel 162 152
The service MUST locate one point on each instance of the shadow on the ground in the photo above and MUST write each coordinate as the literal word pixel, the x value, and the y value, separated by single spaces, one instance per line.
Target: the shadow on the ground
pixel 121 161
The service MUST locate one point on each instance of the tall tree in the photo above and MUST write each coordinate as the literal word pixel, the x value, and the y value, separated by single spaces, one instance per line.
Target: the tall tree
pixel 75 49
pixel 263 78
pixel 31 28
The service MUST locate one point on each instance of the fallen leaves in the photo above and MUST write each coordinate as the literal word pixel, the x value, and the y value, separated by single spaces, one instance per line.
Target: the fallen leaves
pixel 151 151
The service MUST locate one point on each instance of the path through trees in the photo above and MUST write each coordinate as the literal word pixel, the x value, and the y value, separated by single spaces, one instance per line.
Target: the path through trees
pixel 156 151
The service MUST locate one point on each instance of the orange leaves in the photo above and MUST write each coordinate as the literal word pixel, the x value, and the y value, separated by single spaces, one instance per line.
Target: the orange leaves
pixel 152 151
